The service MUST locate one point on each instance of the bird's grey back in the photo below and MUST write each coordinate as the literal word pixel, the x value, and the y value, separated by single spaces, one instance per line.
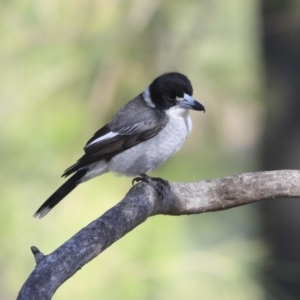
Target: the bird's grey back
pixel 134 112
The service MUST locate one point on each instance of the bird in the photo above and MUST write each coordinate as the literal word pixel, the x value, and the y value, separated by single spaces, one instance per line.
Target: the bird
pixel 141 136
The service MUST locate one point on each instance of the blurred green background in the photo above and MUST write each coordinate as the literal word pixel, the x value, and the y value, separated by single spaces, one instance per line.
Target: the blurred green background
pixel 66 68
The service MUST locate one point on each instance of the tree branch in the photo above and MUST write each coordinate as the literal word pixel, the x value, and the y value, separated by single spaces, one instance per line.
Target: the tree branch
pixel 143 201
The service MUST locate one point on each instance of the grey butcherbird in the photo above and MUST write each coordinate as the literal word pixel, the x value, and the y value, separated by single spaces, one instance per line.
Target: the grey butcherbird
pixel 141 136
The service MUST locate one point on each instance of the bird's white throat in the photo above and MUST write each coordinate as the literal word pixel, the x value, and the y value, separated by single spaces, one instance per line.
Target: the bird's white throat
pixel 177 112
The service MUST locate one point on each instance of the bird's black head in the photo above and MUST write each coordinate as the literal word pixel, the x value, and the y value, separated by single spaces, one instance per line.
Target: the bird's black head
pixel 171 89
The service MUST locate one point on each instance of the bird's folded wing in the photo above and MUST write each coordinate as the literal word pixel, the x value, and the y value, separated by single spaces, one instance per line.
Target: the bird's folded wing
pixel 107 143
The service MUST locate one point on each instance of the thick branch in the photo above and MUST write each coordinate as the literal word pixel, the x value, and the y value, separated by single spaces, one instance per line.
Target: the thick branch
pixel 143 201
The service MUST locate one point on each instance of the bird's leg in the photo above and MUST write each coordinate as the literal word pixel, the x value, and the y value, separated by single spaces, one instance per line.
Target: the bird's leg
pixel 160 185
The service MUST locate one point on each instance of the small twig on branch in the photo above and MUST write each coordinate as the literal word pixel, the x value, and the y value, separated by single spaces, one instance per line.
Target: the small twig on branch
pixel 38 255
pixel 143 201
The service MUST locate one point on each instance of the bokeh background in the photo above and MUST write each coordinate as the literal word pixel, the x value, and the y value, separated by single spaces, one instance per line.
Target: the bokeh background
pixel 66 67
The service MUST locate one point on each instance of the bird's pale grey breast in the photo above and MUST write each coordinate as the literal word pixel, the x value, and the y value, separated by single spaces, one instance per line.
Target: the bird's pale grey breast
pixel 151 153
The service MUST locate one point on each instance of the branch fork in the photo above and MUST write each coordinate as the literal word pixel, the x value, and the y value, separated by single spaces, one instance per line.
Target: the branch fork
pixel 148 198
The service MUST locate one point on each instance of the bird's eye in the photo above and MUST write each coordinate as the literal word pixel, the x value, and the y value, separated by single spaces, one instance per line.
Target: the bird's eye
pixel 171 97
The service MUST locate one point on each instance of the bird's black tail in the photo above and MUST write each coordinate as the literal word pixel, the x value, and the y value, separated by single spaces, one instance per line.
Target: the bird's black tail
pixel 58 195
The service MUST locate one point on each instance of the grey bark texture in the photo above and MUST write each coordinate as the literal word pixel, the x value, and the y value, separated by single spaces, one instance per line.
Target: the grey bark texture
pixel 143 201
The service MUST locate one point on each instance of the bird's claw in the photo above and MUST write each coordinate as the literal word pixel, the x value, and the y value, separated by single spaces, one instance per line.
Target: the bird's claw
pixel 142 178
pixel 137 179
pixel 160 185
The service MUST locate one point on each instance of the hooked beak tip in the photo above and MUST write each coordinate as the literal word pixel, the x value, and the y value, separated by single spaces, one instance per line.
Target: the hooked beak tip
pixel 190 103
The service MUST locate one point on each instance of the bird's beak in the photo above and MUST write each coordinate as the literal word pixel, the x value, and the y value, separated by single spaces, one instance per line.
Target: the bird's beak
pixel 189 102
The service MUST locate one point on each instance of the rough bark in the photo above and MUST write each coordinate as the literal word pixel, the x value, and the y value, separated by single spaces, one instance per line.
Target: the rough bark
pixel 143 201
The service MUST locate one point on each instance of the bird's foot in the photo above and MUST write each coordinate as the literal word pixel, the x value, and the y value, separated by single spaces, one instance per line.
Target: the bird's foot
pixel 160 185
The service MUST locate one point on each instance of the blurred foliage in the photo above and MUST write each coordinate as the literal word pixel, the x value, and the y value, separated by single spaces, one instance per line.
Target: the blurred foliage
pixel 66 67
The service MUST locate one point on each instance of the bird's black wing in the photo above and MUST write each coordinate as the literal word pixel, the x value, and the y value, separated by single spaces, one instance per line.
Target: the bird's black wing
pixel 127 129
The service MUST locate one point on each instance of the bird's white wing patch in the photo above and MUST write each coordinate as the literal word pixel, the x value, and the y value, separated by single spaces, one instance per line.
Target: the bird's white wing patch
pixel 103 138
